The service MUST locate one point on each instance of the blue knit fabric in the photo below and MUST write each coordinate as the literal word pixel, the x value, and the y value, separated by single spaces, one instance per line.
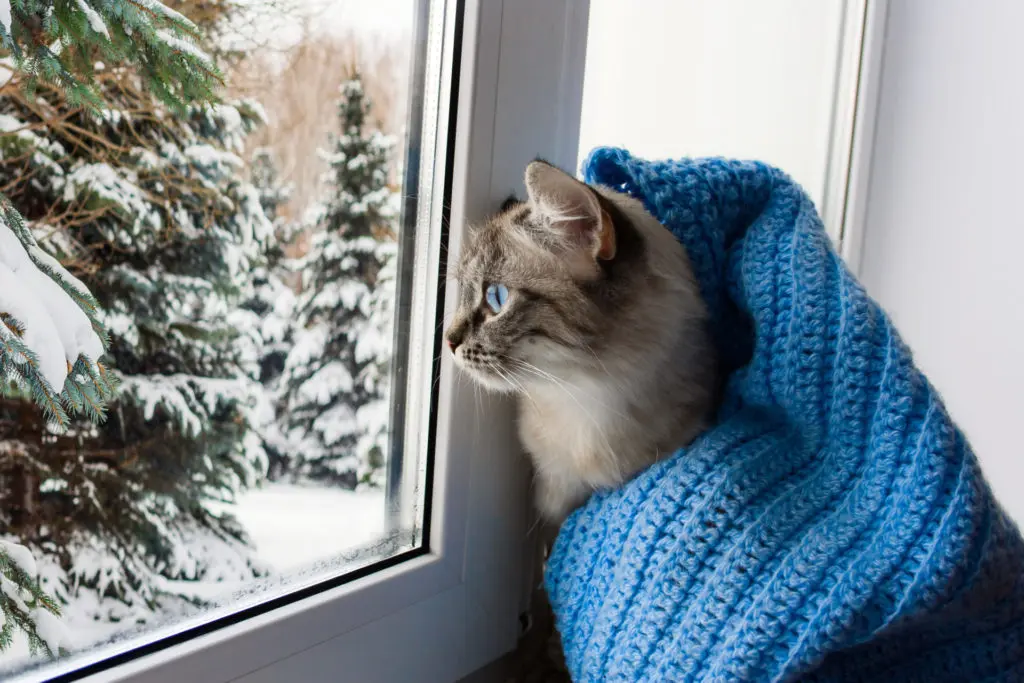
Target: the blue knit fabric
pixel 834 524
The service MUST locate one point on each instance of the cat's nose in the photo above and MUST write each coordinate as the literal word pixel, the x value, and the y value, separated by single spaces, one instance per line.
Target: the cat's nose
pixel 454 337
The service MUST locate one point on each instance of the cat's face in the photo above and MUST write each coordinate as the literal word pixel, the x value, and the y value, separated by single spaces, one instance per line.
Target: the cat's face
pixel 540 283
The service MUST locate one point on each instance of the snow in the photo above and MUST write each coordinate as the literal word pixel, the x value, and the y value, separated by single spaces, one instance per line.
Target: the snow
pixel 208 155
pixel 121 325
pixel 179 45
pixel 231 119
pixel 159 8
pixel 181 396
pixel 102 180
pixel 293 526
pixel 20 556
pixel 40 333
pixel 15 593
pixel 336 423
pixel 44 149
pixel 47 261
pixel 172 393
pixel 56 330
pixel 308 346
pixel 95 20
pixel 349 293
pixel 49 629
pixel 326 383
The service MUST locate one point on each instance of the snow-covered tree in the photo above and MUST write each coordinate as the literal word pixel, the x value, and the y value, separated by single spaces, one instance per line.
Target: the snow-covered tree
pixel 335 380
pixel 24 605
pixel 51 342
pixel 152 210
pixel 60 45
pixel 60 42
pixel 272 299
pixel 164 228
pixel 268 314
pixel 373 350
pixel 51 336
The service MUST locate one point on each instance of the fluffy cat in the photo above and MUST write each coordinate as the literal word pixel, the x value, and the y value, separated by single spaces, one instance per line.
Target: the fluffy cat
pixel 586 307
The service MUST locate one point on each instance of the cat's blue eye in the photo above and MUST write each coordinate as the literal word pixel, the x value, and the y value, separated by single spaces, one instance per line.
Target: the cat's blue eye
pixel 496 296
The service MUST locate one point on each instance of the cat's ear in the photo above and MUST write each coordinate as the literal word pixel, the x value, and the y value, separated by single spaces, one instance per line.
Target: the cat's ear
pixel 571 210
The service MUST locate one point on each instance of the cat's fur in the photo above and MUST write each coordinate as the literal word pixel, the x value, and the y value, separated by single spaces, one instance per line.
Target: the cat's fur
pixel 603 337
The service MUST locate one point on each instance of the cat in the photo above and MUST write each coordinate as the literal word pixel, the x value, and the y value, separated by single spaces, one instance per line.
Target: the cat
pixel 582 304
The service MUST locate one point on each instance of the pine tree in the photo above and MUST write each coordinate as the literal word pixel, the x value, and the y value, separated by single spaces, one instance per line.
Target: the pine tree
pixel 271 308
pixel 59 45
pixel 51 336
pixel 24 605
pixel 150 208
pixel 164 228
pixel 51 343
pixel 373 350
pixel 336 374
pixel 272 299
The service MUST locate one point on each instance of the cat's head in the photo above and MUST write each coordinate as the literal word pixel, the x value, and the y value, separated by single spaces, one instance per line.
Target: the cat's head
pixel 545 281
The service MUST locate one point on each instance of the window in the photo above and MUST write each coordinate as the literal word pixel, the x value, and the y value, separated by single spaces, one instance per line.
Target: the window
pixel 429 573
pixel 771 81
pixel 268 437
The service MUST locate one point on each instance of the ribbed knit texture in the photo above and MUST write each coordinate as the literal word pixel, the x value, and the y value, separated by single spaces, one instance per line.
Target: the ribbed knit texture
pixel 834 524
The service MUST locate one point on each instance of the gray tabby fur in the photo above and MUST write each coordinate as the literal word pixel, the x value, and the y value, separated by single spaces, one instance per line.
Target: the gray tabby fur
pixel 605 344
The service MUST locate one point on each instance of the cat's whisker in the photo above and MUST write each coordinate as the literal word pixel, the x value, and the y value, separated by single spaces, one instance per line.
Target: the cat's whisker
pixel 565 389
pixel 533 527
pixel 615 381
pixel 511 380
pixel 478 397
pixel 565 385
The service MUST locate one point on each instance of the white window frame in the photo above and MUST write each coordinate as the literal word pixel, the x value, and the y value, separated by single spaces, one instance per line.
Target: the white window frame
pixel 851 130
pixel 452 610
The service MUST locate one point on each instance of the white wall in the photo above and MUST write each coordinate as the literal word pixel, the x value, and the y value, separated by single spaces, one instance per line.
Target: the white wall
pixel 945 233
pixel 738 78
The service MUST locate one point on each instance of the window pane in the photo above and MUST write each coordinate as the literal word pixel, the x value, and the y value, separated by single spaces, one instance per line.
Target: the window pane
pixel 251 260
pixel 749 80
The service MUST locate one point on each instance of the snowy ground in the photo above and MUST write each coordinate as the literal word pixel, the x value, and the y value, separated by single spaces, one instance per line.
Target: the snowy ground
pixel 293 526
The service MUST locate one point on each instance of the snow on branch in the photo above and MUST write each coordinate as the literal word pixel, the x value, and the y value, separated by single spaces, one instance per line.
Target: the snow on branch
pixel 186 400
pixel 48 343
pixel 24 607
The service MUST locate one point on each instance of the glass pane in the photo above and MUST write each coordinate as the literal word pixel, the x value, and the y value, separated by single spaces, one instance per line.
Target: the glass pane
pixel 248 258
pixel 750 79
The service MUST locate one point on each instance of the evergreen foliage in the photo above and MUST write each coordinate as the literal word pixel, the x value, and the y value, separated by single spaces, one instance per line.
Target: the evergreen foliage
pixel 59 42
pixel 145 202
pixel 157 215
pixel 335 380
pixel 64 45
pixel 271 310
pixel 51 342
pixel 23 604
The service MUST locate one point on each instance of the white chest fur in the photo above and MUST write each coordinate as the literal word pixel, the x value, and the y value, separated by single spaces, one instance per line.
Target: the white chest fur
pixel 574 431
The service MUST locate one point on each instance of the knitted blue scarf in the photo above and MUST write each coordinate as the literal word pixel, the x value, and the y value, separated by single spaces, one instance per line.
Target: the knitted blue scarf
pixel 833 525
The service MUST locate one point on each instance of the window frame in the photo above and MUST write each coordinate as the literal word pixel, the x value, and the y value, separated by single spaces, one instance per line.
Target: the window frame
pixel 862 133
pixel 511 90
